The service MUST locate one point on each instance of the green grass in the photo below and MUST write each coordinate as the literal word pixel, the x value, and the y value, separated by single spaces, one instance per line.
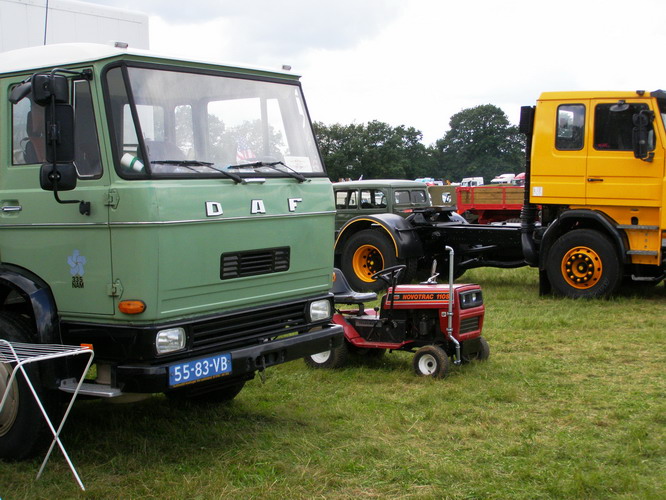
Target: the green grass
pixel 571 405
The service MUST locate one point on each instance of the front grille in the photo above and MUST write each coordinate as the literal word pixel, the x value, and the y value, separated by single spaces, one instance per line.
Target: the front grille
pixel 243 329
pixel 468 325
pixel 254 262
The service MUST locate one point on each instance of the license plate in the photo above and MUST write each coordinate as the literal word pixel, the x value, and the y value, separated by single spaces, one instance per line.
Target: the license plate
pixel 199 369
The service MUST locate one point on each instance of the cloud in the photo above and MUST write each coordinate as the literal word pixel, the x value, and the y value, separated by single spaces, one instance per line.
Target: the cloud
pixel 273 27
pixel 416 63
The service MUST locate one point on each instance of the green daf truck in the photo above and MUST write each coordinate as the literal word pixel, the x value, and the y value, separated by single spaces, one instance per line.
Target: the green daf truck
pixel 173 215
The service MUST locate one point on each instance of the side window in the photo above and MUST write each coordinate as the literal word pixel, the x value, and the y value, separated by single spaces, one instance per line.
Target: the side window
pixel 570 134
pixel 87 157
pixel 28 128
pixel 345 199
pixel 373 198
pixel 28 131
pixel 380 199
pixel 614 125
pixel 402 197
pixel 419 196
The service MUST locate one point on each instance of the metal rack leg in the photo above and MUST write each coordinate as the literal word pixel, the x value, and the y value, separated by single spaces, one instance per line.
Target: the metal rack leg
pixel 56 433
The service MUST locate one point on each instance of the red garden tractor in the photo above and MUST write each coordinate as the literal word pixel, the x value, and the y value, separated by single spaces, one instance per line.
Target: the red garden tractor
pixel 416 318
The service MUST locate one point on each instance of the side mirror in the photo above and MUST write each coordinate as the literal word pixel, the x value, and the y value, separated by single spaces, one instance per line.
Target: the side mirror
pixel 641 135
pixel 59 132
pixel 526 120
pixel 57 177
pixel 46 86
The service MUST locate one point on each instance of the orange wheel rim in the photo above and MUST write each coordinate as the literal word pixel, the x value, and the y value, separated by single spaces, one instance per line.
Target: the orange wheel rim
pixel 366 261
pixel 581 268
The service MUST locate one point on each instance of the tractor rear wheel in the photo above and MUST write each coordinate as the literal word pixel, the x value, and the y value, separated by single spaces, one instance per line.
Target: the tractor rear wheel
pixel 366 253
pixel 481 355
pixel 431 361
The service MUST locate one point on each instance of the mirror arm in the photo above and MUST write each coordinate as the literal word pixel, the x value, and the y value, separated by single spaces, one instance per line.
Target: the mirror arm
pixel 84 206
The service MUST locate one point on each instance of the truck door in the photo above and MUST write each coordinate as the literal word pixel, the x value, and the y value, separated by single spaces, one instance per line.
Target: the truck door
pixel 67 249
pixel 559 152
pixel 614 176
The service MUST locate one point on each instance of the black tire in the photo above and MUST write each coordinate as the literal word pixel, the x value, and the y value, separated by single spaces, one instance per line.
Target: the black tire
pixel 23 430
pixel 366 253
pixel 481 355
pixel 206 394
pixel 334 358
pixel 584 264
pixel 431 361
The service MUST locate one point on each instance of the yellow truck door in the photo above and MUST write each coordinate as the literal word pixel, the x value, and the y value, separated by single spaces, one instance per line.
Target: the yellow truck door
pixel 614 176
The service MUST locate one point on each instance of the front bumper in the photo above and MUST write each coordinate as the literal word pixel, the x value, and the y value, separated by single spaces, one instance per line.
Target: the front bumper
pixel 245 360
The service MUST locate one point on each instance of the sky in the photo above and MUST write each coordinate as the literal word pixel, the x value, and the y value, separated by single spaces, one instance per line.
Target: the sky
pixel 418 62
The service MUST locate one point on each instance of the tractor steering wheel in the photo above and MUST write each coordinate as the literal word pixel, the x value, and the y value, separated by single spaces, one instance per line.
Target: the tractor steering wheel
pixel 390 274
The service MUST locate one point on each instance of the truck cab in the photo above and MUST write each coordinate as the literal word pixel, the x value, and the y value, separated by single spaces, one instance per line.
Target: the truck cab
pixel 597 170
pixel 174 215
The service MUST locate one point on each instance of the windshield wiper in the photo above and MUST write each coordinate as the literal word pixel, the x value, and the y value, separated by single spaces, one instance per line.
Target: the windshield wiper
pixel 190 164
pixel 274 165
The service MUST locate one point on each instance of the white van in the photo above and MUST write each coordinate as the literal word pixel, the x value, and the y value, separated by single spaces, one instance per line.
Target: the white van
pixel 471 181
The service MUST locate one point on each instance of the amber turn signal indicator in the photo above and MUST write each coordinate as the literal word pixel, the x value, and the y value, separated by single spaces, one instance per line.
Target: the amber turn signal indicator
pixel 131 306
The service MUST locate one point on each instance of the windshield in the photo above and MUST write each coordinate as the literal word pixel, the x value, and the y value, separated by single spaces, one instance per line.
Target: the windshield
pixel 188 124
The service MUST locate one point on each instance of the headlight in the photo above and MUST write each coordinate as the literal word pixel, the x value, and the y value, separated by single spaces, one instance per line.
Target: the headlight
pixel 170 340
pixel 320 310
pixel 473 298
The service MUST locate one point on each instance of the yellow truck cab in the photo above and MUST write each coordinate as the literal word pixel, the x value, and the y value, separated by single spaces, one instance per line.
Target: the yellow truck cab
pixel 596 170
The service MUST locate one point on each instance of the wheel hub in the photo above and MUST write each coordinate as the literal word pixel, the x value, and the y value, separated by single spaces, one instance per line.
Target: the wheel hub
pixel 10 410
pixel 581 267
pixel 427 364
pixel 367 260
pixel 321 357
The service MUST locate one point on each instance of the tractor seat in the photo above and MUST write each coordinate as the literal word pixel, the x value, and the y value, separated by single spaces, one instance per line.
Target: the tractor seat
pixel 343 293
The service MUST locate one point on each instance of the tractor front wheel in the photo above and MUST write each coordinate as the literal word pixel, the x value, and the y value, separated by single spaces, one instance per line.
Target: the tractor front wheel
pixel 333 358
pixel 431 361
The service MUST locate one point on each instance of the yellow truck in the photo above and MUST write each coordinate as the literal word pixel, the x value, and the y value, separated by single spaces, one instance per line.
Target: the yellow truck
pixel 596 169
pixel 592 218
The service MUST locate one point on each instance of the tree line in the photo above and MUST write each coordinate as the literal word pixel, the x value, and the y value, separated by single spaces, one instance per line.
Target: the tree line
pixel 480 142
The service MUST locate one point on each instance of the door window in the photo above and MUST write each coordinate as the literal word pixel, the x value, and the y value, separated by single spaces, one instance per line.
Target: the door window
pixel 614 125
pixel 570 127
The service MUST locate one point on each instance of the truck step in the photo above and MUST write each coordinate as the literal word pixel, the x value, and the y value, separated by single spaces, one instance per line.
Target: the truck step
pixel 90 389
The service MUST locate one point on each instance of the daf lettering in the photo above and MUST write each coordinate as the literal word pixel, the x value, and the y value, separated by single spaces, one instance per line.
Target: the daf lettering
pixel 293 203
pixel 258 207
pixel 213 208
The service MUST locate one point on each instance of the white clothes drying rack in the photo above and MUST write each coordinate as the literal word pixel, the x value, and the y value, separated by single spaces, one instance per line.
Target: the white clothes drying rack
pixel 22 354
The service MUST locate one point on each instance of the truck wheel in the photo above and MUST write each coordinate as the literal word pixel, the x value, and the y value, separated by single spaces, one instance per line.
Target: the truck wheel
pixel 583 264
pixel 368 252
pixel 334 358
pixel 23 430
pixel 431 361
pixel 481 355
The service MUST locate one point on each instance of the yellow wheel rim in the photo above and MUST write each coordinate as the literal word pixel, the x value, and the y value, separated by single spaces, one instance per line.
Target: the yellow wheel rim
pixel 366 261
pixel 581 268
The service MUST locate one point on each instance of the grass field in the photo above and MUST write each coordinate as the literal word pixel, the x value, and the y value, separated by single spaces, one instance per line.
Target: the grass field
pixel 571 405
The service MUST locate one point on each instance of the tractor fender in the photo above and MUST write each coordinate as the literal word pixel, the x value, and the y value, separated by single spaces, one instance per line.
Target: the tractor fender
pixel 582 219
pixel 38 297
pixel 403 235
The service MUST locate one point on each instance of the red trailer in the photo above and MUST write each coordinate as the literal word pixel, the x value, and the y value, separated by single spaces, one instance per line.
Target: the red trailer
pixel 488 204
